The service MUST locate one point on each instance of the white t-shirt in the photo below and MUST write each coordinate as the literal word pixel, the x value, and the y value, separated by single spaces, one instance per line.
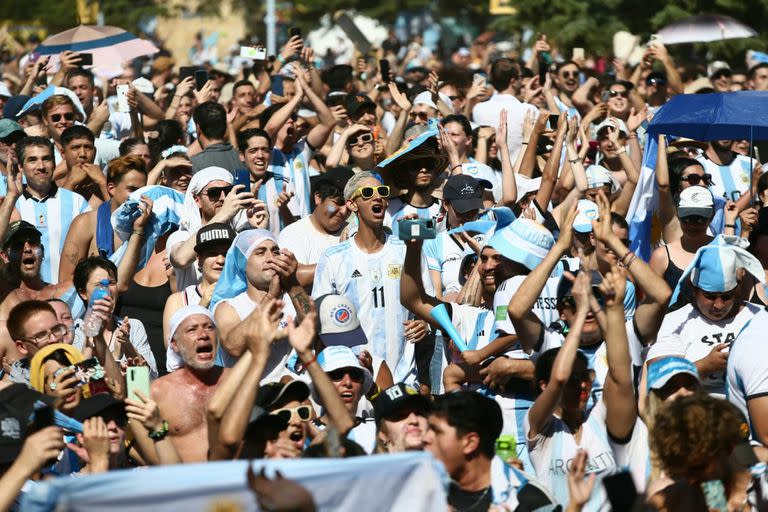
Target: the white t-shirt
pixel 398 209
pixel 279 352
pixel 545 307
pixel 305 241
pixel 487 114
pixel 747 372
pixel 686 332
pixel 444 254
pixel 552 451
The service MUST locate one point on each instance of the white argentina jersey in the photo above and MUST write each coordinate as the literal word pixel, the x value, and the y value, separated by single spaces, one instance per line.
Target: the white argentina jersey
pixel 728 181
pixel 52 217
pixel 372 283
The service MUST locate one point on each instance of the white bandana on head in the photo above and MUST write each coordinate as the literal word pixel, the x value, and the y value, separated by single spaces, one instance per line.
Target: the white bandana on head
pixel 191 220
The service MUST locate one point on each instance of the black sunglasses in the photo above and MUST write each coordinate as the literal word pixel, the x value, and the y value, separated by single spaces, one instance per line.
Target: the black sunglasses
pixel 695 219
pixel 69 116
pixel 214 193
pixel 421 115
pixel 623 94
pixel 695 179
pixel 570 74
pixel 656 81
pixel 355 374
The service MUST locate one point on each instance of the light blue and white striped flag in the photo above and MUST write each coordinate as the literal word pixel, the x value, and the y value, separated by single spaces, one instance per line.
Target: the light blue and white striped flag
pixel 644 202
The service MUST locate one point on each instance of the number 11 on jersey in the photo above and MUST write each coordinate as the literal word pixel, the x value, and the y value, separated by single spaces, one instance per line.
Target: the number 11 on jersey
pixel 378 296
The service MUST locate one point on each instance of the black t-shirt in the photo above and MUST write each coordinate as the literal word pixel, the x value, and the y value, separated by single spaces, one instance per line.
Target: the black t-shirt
pixel 469 501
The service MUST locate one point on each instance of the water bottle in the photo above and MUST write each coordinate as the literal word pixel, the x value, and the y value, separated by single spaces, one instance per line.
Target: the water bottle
pixel 91 321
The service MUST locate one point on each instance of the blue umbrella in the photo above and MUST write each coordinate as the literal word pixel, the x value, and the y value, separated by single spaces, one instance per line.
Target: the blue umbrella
pixel 739 115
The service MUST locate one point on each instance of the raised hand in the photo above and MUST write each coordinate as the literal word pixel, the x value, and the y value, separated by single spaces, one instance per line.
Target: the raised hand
pixel 302 336
pixel 145 411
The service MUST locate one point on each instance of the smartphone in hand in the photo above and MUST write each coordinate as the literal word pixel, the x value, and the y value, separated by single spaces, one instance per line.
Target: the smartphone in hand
pixel 137 379
pixel 122 98
pixel 243 177
pixel 201 78
pixel 86 59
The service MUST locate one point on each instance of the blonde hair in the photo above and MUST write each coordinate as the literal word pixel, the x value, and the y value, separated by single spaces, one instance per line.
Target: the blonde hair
pixel 56 101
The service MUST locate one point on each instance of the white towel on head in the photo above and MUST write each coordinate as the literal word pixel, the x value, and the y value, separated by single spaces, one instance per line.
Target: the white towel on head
pixel 190 219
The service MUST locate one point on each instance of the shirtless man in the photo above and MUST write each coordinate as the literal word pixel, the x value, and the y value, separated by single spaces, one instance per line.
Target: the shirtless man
pixel 23 254
pixel 184 394
pixel 124 175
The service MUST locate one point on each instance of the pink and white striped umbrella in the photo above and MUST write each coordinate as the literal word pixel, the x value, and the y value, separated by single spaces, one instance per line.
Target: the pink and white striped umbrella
pixel 111 47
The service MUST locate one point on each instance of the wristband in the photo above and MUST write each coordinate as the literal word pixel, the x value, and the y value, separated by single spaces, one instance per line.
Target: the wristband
pixel 455 166
pixel 159 435
pixel 137 232
pixel 281 58
pixel 574 160
pixel 730 226
pixel 524 143
pixel 314 359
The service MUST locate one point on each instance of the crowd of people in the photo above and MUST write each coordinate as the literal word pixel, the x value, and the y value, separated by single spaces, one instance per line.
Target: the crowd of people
pixel 293 258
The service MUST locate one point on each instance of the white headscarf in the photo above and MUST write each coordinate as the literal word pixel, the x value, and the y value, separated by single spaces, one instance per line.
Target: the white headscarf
pixel 173 360
pixel 190 219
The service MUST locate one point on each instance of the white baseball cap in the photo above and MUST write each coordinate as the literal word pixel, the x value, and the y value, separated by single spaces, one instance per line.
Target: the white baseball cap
pixel 695 201
pixel 339 324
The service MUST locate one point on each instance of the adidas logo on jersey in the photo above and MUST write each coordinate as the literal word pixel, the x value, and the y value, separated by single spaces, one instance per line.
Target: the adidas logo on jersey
pixel 356 274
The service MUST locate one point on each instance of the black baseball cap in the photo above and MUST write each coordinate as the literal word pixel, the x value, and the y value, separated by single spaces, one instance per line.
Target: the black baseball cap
pixel 337 176
pixel 20 228
pixel 273 394
pixel 17 406
pixel 101 404
pixel 398 397
pixel 357 101
pixel 212 234
pixel 465 192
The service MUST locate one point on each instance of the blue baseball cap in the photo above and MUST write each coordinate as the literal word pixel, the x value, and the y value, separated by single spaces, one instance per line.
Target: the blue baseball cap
pixel 524 241
pixel 662 370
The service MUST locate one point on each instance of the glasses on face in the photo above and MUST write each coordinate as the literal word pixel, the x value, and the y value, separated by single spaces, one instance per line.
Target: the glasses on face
pixel 623 94
pixel 303 412
pixel 404 412
pixel 363 138
pixel 69 116
pixel 367 192
pixel 695 179
pixel 570 74
pixel 695 219
pixel 421 115
pixel 214 193
pixel 356 375
pixel 56 332
pixel 656 81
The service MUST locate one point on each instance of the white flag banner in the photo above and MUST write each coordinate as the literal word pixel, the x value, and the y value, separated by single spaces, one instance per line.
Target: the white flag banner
pixel 410 481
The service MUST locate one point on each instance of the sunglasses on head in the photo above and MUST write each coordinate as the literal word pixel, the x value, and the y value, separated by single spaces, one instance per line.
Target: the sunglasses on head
pixel 69 116
pixel 695 179
pixel 214 193
pixel 303 412
pixel 421 115
pixel 363 138
pixel 356 375
pixel 623 94
pixel 367 192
